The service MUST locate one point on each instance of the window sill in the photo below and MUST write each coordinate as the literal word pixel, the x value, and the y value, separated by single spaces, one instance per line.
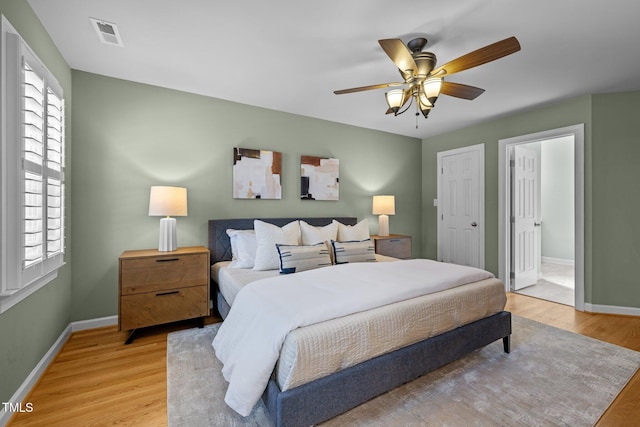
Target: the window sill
pixel 9 300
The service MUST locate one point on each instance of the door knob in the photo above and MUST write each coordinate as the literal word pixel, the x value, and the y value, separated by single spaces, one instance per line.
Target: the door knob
pixel 474 224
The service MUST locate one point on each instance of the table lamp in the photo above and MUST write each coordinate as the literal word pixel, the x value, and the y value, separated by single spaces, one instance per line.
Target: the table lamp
pixel 384 206
pixel 168 202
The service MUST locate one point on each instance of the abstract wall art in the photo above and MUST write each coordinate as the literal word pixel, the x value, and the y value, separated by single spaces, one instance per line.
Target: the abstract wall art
pixel 319 178
pixel 257 174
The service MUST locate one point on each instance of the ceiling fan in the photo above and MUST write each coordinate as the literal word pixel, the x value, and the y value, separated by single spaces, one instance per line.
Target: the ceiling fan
pixel 423 81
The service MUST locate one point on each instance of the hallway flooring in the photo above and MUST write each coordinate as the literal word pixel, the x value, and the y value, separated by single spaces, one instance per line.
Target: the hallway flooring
pixel 556 284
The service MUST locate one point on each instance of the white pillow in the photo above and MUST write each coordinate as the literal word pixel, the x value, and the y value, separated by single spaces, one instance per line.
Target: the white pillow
pixel 267 235
pixel 351 233
pixel 243 248
pixel 313 235
pixel 345 252
pixel 294 259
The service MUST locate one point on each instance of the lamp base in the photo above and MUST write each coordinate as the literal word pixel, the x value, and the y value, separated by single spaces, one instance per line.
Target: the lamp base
pixel 168 240
pixel 383 225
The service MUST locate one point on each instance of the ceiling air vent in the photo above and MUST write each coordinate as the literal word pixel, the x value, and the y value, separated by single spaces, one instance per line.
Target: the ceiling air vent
pixel 107 32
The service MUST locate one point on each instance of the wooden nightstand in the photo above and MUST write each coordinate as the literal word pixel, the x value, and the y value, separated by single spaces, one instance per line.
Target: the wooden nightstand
pixel 160 287
pixel 394 245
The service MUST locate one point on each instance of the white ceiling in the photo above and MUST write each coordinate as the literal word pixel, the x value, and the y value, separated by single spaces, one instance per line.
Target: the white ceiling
pixel 290 55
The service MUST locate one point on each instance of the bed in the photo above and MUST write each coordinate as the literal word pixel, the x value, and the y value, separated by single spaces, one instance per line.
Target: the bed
pixel 309 400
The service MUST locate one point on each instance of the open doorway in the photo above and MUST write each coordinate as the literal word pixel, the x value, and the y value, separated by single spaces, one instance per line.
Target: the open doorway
pixel 542 205
pixel 545 245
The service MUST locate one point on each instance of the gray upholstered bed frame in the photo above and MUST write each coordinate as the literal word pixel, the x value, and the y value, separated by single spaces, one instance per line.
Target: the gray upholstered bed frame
pixel 330 396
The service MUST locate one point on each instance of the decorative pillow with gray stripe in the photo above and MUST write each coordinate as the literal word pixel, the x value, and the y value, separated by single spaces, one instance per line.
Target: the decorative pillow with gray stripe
pixel 294 258
pixel 359 251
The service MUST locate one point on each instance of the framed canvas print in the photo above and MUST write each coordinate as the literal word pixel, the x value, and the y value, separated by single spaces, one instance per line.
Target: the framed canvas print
pixel 319 178
pixel 257 174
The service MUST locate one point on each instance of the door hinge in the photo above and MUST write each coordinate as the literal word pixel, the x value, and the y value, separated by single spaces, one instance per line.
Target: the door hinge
pixel 512 275
pixel 512 163
pixel 513 220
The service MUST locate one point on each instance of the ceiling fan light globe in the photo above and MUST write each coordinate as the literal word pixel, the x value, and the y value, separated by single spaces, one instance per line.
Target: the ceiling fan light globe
pixel 394 99
pixel 425 102
pixel 432 87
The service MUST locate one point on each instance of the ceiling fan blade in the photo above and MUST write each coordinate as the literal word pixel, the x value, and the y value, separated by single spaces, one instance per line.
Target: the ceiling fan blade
pixel 478 57
pixel 363 88
pixel 461 91
pixel 400 55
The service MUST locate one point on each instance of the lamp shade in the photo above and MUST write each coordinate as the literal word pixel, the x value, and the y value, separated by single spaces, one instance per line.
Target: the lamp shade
pixel 168 201
pixel 384 205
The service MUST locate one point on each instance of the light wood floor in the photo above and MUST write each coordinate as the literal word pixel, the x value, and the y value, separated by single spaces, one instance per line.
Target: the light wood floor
pixel 96 380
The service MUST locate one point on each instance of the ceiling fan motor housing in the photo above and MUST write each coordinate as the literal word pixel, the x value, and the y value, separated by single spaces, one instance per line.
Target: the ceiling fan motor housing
pixel 425 61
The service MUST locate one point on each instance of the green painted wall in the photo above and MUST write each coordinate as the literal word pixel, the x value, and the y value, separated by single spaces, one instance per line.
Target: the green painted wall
pixel 29 329
pixel 129 136
pixel 612 150
pixel 616 199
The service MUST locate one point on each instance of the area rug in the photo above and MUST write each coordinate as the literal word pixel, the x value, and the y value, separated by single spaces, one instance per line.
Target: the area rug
pixel 551 378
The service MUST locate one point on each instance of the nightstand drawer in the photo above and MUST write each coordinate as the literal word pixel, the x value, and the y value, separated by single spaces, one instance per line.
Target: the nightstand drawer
pixel 153 308
pixel 160 287
pixel 141 275
pixel 394 245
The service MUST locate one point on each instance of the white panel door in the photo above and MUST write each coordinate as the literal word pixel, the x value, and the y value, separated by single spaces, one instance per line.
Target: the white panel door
pixel 524 211
pixel 459 209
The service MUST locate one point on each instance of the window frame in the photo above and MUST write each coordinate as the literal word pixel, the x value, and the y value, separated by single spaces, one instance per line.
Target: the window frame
pixel 16 281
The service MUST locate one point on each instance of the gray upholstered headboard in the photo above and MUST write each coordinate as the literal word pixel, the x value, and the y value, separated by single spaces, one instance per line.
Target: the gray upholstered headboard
pixel 218 240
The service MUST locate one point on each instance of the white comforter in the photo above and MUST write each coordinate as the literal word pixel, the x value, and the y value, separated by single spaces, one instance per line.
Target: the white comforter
pixel 248 342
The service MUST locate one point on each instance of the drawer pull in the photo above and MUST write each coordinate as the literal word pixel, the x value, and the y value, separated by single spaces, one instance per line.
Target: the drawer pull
pixel 167 259
pixel 167 293
pixel 394 240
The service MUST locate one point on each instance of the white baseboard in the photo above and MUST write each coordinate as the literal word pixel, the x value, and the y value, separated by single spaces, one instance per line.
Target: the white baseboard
pixel 611 309
pixel 35 374
pixel 94 323
pixel 42 365
pixel 558 261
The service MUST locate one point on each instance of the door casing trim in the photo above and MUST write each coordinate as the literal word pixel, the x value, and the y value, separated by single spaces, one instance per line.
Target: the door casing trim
pixel 504 201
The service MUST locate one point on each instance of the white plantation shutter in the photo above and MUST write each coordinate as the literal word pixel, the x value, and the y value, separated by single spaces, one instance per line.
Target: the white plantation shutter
pixel 55 217
pixel 32 210
pixel 43 168
pixel 33 127
pixel 55 177
pixel 33 233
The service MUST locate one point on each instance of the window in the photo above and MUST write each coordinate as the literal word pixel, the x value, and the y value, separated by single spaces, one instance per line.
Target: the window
pixel 32 172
